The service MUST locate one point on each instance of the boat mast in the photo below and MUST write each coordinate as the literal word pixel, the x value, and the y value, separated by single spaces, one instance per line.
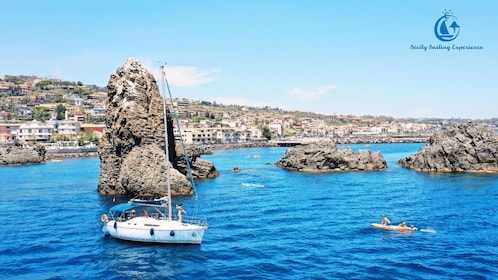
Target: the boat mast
pixel 166 148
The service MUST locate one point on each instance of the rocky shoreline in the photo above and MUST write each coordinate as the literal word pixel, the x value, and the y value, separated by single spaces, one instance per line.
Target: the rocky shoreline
pixel 16 154
pixel 26 157
pixel 337 141
pixel 464 148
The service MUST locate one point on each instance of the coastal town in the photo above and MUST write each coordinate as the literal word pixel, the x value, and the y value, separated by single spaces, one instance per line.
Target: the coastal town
pixel 51 111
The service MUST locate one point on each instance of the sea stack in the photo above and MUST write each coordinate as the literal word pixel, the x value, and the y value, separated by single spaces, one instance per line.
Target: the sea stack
pixel 131 151
pixel 324 156
pixel 463 148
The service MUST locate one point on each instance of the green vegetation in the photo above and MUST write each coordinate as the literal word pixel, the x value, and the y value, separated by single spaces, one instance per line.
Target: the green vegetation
pixel 41 113
pixel 266 132
pixel 87 137
pixel 60 111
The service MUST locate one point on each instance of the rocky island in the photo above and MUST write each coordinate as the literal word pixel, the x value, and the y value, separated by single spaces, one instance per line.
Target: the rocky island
pixel 325 156
pixel 463 148
pixel 19 155
pixel 131 151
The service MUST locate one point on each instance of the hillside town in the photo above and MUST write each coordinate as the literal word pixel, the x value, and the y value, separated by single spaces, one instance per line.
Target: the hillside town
pixel 51 111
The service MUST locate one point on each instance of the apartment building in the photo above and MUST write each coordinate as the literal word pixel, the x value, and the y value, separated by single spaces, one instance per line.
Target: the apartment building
pixel 42 132
pixel 35 131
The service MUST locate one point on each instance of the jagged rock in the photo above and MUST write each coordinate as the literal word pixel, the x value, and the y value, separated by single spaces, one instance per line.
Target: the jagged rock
pixel 463 148
pixel 144 172
pixel 18 155
pixel 324 156
pixel 201 168
pixel 132 146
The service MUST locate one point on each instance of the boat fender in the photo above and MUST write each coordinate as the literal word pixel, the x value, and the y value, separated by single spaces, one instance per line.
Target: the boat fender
pixel 115 224
pixel 104 218
pixel 151 231
pixel 171 233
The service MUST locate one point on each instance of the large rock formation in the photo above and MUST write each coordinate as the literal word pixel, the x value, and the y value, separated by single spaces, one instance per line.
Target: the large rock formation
pixel 131 151
pixel 19 155
pixel 325 156
pixel 463 148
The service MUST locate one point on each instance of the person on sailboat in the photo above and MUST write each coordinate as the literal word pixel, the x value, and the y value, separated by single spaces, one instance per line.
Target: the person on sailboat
pixel 179 207
pixel 385 220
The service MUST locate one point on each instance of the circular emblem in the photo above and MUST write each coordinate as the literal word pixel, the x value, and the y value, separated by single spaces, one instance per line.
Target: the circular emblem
pixel 446 28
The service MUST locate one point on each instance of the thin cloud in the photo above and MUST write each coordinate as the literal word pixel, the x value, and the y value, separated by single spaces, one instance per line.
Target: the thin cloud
pixel 190 77
pixel 311 94
pixel 183 76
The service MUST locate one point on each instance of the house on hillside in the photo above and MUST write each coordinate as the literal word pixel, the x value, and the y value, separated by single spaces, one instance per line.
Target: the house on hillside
pixel 5 116
pixel 23 112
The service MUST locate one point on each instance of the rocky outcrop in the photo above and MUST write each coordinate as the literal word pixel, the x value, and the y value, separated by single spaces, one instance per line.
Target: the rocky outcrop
pixel 200 168
pixel 325 156
pixel 463 148
pixel 18 155
pixel 131 151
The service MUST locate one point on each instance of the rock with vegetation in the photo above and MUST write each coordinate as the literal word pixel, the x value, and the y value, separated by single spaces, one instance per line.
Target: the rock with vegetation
pixel 462 148
pixel 131 151
pixel 325 156
pixel 19 155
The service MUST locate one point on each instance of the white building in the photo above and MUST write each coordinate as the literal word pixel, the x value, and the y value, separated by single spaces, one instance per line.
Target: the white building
pixel 35 131
pixel 40 131
pixel 68 128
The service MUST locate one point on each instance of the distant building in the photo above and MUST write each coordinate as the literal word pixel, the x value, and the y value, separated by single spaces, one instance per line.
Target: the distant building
pixel 199 136
pixel 5 116
pixel 183 102
pixel 98 129
pixel 23 113
pixel 42 131
pixel 8 132
pixel 69 128
pixel 35 131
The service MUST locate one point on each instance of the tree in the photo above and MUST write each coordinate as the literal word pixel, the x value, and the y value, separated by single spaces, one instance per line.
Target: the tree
pixel 87 137
pixel 265 130
pixel 60 112
pixel 56 137
pixel 41 113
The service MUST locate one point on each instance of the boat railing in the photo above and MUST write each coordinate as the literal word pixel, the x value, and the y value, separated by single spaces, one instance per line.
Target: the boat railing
pixel 192 220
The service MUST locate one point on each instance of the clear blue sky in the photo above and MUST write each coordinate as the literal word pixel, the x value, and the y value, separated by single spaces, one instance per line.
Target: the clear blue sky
pixel 343 57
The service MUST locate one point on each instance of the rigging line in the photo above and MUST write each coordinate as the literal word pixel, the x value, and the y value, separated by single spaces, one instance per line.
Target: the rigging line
pixel 163 76
pixel 181 138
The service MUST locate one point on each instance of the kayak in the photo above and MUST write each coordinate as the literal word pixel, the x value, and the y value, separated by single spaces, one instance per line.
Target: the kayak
pixel 389 227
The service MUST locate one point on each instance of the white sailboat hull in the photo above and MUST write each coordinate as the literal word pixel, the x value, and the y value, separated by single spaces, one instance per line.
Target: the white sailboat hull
pixel 148 229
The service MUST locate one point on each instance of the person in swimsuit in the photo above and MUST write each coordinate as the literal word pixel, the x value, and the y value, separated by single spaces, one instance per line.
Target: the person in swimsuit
pixel 179 207
pixel 385 220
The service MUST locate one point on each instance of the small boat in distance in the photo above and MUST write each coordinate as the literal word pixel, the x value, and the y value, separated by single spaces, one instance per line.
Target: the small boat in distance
pixel 151 220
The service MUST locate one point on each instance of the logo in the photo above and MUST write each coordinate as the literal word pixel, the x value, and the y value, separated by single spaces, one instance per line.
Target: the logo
pixel 446 28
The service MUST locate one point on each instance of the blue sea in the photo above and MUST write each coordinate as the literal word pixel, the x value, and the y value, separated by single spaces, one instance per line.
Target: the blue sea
pixel 264 223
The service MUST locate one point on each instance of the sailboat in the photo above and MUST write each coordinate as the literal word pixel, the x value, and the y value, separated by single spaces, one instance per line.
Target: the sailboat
pixel 151 220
